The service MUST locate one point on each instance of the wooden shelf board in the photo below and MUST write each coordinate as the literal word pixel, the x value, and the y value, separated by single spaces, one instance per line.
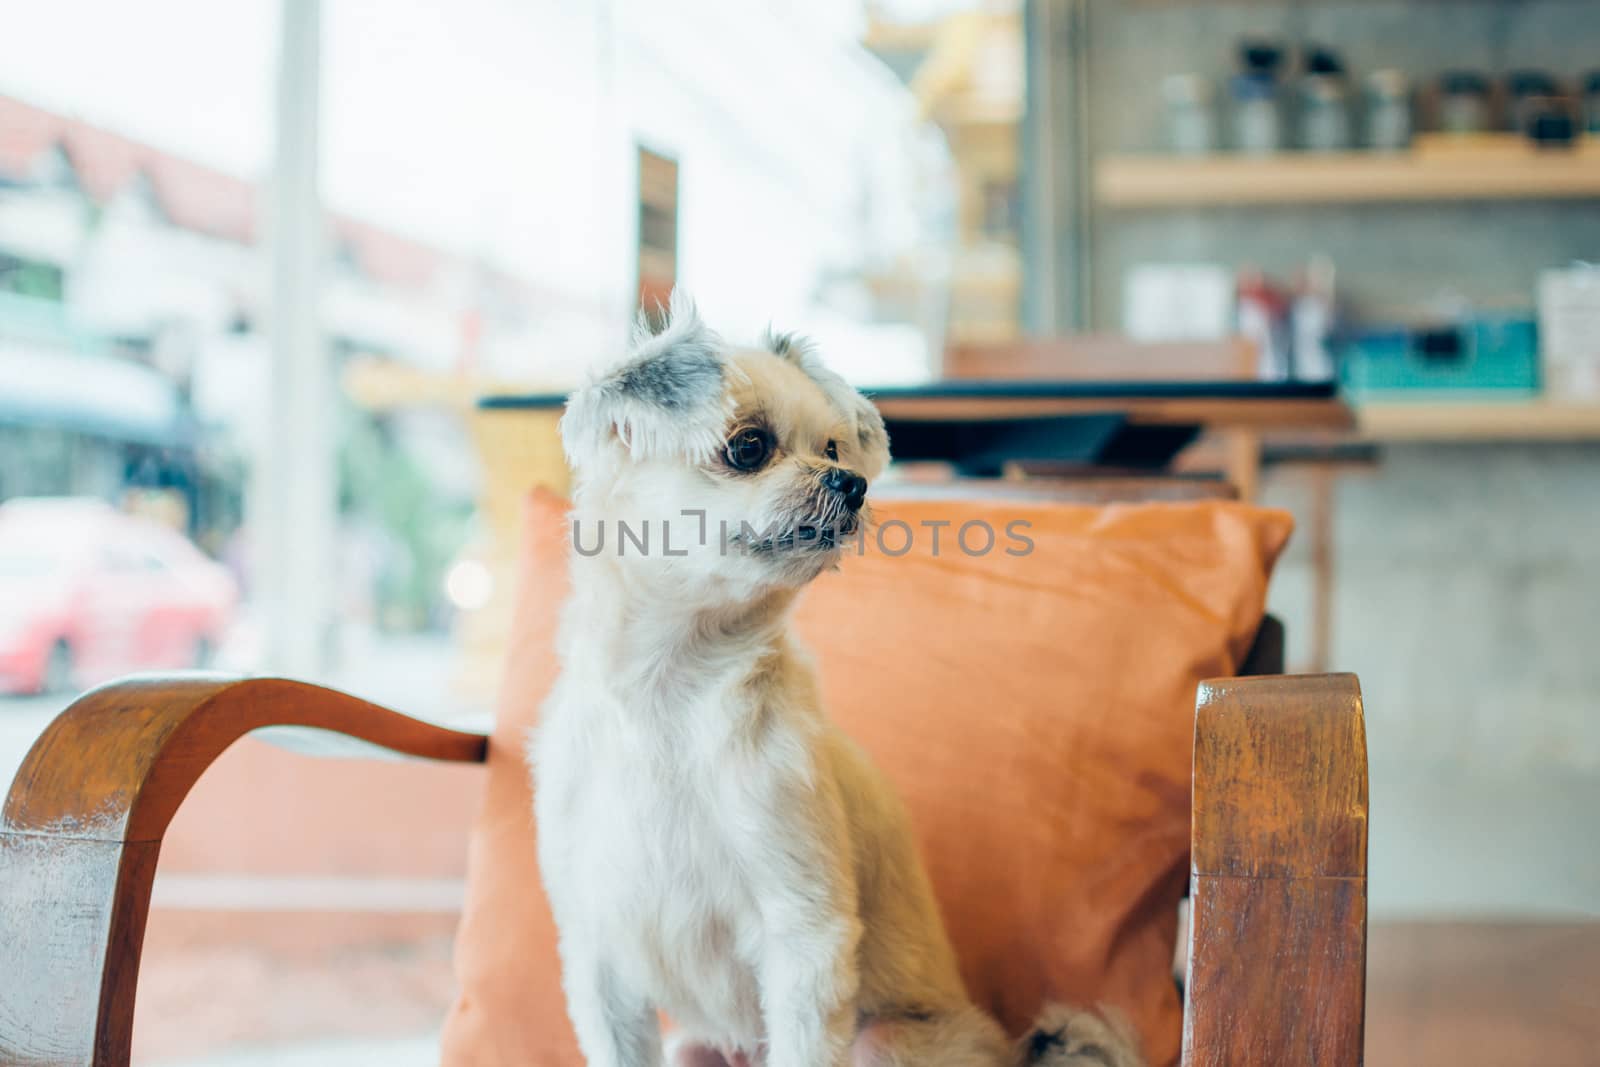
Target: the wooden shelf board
pixel 1347 177
pixel 1487 420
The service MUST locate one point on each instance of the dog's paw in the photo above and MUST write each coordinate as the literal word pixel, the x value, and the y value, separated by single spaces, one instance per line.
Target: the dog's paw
pixel 1073 1037
pixel 679 1051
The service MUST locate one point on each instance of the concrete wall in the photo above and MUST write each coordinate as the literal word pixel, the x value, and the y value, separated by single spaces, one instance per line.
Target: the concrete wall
pixel 1468 595
pixel 1468 600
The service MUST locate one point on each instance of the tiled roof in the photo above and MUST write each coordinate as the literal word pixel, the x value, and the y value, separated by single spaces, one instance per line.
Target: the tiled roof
pixel 192 196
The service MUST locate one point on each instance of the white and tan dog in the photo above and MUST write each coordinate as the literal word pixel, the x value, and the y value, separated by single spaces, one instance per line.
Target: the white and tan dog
pixel 712 846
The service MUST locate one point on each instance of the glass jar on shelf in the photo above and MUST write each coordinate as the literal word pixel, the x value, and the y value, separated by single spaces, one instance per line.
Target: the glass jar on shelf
pixel 1191 114
pixel 1257 119
pixel 1530 95
pixel 1463 102
pixel 1324 100
pixel 1388 111
pixel 1324 115
pixel 1255 112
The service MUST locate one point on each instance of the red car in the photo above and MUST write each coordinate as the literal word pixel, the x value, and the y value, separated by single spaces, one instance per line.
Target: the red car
pixel 87 593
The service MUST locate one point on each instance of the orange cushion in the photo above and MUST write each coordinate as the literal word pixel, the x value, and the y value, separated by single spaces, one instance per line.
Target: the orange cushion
pixel 1035 711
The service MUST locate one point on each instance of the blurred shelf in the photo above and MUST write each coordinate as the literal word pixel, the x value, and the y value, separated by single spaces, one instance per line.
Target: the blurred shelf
pixel 1346 177
pixel 1485 420
pixel 1002 114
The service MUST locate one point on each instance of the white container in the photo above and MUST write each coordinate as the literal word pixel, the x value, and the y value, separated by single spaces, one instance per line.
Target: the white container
pixel 1569 330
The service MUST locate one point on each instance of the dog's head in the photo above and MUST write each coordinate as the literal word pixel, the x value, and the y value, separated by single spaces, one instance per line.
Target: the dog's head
pixel 739 470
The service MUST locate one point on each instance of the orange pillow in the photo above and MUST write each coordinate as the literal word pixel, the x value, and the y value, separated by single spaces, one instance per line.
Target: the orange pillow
pixel 1035 711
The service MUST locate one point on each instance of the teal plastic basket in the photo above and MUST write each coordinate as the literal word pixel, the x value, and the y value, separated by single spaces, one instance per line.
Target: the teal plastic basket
pixel 1492 356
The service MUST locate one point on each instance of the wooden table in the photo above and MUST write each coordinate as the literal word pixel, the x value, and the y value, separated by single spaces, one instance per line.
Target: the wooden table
pixel 979 426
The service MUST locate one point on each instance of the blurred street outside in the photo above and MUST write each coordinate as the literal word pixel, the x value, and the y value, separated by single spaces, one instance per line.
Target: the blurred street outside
pixel 413 673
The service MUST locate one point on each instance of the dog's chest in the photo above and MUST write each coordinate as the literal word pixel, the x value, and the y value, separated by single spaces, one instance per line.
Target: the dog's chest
pixel 649 864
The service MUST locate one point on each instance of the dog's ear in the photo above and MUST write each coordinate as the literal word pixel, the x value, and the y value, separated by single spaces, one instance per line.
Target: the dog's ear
pixel 668 396
pixel 871 452
pixel 871 437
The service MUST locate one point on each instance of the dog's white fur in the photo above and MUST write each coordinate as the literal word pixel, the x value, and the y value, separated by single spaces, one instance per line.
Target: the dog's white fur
pixel 712 846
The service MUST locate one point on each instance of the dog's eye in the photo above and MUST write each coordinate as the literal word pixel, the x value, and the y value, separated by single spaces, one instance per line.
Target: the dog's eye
pixel 832 451
pixel 749 449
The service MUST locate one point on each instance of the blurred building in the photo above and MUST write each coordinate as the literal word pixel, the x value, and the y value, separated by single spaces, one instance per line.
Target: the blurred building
pixel 966 70
pixel 126 267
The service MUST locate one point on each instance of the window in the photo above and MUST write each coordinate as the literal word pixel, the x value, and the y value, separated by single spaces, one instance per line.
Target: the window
pixel 503 183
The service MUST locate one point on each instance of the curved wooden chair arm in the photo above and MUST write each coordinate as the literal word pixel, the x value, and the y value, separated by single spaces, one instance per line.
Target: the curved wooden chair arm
pixel 82 828
pixel 1278 935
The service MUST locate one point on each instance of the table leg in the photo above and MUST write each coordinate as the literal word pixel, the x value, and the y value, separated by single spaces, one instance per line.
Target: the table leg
pixel 1243 464
pixel 1322 489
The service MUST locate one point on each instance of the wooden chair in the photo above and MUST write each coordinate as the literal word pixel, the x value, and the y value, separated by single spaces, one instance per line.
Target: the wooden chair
pixel 1277 945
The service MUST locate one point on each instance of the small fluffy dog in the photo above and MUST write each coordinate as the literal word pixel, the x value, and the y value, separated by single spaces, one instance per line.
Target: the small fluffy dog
pixel 712 846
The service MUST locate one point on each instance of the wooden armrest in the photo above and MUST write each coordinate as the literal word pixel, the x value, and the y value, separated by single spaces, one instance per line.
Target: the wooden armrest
pixel 82 828
pixel 1278 941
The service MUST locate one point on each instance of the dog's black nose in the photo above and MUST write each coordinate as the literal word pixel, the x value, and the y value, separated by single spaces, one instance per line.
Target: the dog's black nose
pixel 847 484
